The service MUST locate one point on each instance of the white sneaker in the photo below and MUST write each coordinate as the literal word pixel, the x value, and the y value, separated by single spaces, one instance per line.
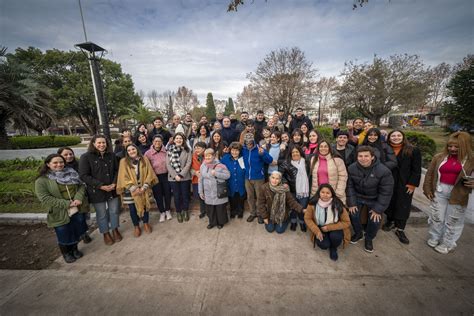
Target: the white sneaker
pixel 441 248
pixel 168 215
pixel 162 217
pixel 432 243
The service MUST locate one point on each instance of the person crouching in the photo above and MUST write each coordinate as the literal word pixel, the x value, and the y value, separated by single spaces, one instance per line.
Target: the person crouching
pixel 328 220
pixel 213 173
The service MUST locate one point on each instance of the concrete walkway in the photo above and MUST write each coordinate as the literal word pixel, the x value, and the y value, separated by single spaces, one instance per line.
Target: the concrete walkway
pixel 183 269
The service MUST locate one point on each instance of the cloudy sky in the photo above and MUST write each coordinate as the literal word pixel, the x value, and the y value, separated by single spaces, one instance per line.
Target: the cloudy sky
pixel 164 44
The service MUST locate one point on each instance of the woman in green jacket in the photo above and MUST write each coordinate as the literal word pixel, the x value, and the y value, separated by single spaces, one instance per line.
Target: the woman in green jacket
pixel 61 191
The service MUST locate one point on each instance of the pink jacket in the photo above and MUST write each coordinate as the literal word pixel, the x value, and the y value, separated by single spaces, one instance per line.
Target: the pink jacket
pixel 157 159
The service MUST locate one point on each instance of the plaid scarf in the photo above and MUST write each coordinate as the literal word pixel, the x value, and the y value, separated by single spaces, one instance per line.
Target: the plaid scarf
pixel 173 153
pixel 65 176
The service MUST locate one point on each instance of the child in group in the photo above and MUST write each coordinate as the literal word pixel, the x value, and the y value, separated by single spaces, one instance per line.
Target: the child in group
pixel 198 157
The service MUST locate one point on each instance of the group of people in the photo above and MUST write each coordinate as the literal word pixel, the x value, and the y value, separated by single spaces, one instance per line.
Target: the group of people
pixel 282 167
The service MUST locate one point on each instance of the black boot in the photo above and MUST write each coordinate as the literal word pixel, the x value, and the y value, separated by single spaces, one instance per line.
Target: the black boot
pixel 293 226
pixel 303 227
pixel 67 255
pixel 86 238
pixel 75 252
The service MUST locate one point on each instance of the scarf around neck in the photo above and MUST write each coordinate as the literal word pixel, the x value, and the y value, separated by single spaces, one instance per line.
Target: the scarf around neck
pixel 311 148
pixel 277 213
pixel 324 213
pixel 65 176
pixel 302 182
pixel 174 152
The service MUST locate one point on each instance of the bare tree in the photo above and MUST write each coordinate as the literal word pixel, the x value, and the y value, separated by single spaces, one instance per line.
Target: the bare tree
pixel 326 88
pixel 153 100
pixel 384 85
pixel 284 80
pixel 439 77
pixel 185 100
pixel 249 100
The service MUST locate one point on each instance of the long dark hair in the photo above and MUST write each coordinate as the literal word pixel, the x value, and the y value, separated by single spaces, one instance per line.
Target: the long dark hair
pixel 185 145
pixel 407 147
pixel 199 129
pixel 91 148
pixel 316 157
pixel 299 132
pixel 218 147
pixel 129 160
pixel 377 144
pixel 44 169
pixel 336 204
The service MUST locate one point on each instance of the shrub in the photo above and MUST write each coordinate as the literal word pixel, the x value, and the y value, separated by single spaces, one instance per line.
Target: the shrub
pixel 30 142
pixel 326 133
pixel 425 144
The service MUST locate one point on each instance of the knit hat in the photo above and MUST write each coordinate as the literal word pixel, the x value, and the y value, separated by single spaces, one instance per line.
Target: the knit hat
pixel 249 138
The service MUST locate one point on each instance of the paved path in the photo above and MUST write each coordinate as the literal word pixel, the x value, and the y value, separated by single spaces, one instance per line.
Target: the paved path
pixel 35 153
pixel 183 269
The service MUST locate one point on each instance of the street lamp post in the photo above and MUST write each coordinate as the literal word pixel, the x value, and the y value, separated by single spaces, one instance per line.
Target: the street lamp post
pixel 94 53
pixel 319 111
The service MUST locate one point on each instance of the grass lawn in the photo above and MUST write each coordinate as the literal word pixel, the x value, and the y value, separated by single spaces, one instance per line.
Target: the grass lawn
pixel 17 179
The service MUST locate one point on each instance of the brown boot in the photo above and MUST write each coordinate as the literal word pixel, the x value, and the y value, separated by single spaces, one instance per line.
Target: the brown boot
pixel 147 228
pixel 117 236
pixel 108 240
pixel 137 232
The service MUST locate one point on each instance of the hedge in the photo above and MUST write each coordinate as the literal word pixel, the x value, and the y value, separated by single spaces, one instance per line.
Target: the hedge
pixel 30 142
pixel 325 132
pixel 425 144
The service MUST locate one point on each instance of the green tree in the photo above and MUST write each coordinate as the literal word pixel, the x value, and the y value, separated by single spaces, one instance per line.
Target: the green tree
pixel 67 74
pixel 23 100
pixel 142 114
pixel 210 106
pixel 229 107
pixel 461 91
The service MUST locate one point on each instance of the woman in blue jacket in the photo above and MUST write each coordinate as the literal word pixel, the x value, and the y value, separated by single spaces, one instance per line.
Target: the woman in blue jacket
pixel 235 163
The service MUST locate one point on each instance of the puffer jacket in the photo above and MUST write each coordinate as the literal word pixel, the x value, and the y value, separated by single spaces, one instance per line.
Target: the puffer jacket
pixel 460 193
pixel 208 183
pixel 337 174
pixel 254 163
pixel 372 186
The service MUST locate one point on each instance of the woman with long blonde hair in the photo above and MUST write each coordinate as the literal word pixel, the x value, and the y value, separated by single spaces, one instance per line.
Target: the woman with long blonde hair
pixel 448 183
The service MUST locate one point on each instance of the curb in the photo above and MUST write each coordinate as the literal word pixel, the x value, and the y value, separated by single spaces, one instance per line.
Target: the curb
pixel 29 218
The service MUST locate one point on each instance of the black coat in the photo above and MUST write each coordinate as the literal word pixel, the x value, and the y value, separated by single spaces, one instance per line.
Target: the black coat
pixel 386 156
pixel 408 171
pixel 259 125
pixel 290 172
pixel 349 154
pixel 96 170
pixel 296 122
pixel 229 135
pixel 163 132
pixel 372 186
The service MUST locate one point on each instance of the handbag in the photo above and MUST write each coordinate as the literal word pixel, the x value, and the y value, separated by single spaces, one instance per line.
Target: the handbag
pixel 222 189
pixel 73 209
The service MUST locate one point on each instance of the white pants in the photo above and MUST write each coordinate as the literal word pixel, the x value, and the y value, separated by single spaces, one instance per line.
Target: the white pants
pixel 446 220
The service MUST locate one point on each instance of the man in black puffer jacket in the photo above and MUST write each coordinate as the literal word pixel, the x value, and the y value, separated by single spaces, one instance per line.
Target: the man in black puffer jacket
pixel 370 184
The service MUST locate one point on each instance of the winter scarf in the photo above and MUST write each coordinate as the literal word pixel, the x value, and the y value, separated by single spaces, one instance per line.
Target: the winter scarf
pixel 277 213
pixel 65 176
pixel 173 153
pixel 311 148
pixel 324 214
pixel 302 181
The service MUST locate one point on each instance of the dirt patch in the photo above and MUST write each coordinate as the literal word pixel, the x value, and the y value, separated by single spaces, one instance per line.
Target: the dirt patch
pixel 29 247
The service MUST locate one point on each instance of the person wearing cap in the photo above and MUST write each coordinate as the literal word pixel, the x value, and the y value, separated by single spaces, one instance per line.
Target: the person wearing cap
pixel 345 150
pixel 255 157
pixel 299 120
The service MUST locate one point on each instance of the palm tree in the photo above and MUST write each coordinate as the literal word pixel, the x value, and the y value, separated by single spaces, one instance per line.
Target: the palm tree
pixel 23 101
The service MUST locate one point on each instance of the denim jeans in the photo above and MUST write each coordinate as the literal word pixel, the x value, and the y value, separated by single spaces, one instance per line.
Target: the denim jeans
pixel 446 220
pixel 181 194
pixel 107 214
pixel 134 215
pixel 296 217
pixel 162 193
pixel 279 228
pixel 332 239
pixel 372 227
pixel 71 233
